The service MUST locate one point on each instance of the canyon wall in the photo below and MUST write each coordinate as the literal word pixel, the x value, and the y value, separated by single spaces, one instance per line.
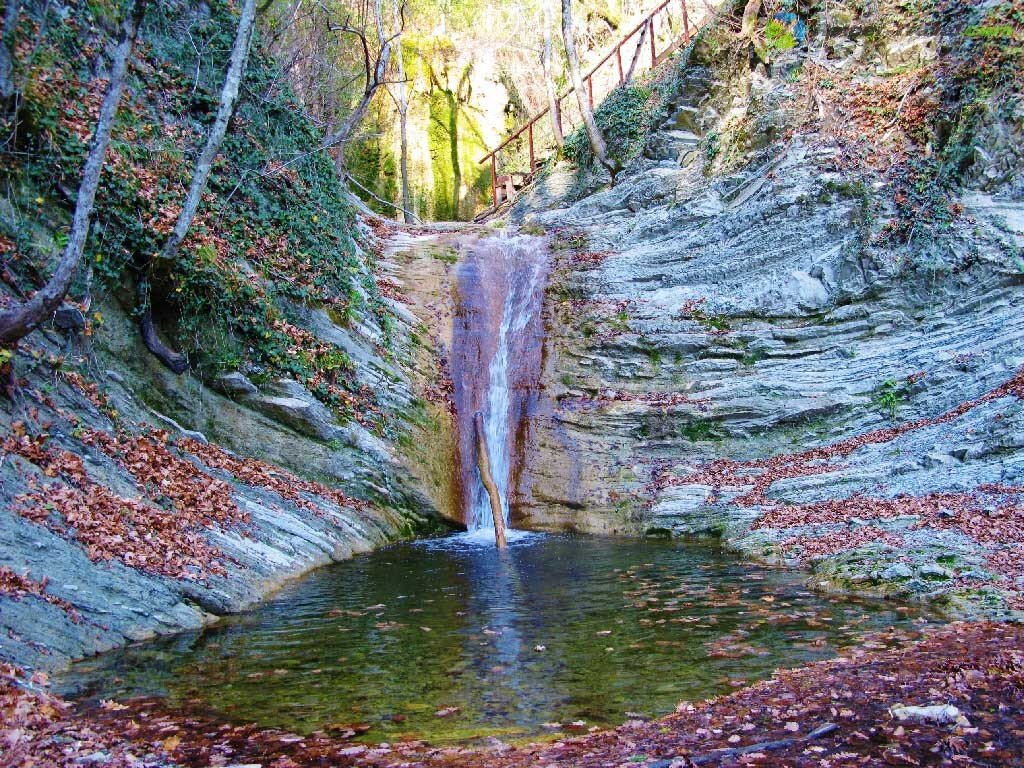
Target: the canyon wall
pixel 789 313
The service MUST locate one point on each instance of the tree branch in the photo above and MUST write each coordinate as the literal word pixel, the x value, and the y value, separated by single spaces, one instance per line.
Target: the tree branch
pixel 22 319
pixel 204 165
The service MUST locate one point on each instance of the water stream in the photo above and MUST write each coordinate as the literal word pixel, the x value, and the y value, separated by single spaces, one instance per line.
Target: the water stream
pixel 496 359
pixel 453 640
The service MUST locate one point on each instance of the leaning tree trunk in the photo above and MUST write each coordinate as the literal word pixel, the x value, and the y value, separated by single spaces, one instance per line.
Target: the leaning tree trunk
pixel 484 465
pixel 554 111
pixel 22 319
pixel 597 144
pixel 636 54
pixel 402 98
pixel 228 96
pixel 750 14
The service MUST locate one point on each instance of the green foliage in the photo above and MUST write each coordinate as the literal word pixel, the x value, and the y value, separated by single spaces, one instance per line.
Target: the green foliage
pixel 443 119
pixel 983 79
pixel 626 118
pixel 650 349
pixel 715 322
pixel 267 234
pixel 444 255
pixel 619 322
pixel 700 430
pixel 994 32
pixel 712 145
pixel 778 37
pixel 889 396
pixel 455 142
pixel 373 165
pixel 753 356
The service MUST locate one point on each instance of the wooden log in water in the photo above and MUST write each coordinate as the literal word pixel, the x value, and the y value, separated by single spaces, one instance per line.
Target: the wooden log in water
pixel 483 463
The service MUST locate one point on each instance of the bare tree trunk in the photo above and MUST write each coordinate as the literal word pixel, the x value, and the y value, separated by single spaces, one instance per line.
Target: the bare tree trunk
pixel 484 465
pixel 376 77
pixel 21 319
pixel 408 216
pixel 375 74
pixel 228 97
pixel 554 112
pixel 402 99
pixel 6 48
pixel 597 144
pixel 749 22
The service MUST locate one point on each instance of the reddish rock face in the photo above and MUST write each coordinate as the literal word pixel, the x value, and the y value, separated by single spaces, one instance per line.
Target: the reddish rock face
pixel 496 360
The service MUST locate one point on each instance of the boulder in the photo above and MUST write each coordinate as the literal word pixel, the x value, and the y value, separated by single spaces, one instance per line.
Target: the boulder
pixel 234 384
pixel 68 318
pixel 934 713
pixel 292 405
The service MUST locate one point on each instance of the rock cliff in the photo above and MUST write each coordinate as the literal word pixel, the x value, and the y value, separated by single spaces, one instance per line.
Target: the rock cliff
pixel 797 320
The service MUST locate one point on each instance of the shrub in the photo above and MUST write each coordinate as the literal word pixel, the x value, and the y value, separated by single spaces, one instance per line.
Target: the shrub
pixel 626 118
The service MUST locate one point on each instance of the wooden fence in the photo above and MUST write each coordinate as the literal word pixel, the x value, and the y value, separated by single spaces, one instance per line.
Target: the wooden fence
pixel 663 27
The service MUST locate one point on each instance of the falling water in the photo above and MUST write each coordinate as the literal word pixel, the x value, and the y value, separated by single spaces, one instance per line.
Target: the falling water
pixel 497 359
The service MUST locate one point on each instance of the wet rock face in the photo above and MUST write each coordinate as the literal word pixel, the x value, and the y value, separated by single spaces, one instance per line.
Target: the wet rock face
pixel 755 314
pixel 496 359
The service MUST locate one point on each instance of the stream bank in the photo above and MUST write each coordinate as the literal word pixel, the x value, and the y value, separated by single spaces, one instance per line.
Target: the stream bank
pixel 137 503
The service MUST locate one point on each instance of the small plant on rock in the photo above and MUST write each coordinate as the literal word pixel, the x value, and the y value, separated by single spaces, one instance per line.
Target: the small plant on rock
pixel 890 396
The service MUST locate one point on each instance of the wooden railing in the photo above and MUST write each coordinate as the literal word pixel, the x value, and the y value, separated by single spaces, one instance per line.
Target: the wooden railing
pixel 646 32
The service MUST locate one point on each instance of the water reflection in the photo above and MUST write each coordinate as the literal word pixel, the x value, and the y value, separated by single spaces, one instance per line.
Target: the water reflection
pixel 440 639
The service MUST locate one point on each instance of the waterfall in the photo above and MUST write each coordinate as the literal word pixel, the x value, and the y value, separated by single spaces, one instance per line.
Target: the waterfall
pixel 498 341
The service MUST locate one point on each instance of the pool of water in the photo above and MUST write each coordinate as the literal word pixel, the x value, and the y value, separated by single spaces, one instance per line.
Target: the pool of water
pixel 451 640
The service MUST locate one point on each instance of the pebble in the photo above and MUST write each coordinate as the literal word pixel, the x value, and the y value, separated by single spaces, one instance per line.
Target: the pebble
pixel 936 713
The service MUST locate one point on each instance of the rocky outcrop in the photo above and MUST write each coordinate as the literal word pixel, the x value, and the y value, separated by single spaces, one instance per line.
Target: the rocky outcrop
pixel 107 602
pixel 752 307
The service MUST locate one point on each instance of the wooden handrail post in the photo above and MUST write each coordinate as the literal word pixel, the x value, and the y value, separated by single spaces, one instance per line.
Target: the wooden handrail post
pixel 558 116
pixel 531 148
pixel 654 46
pixel 686 24
pixel 484 465
pixel 494 181
pixel 590 92
pixel 618 60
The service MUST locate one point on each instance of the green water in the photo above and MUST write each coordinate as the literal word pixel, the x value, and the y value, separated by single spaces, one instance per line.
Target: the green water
pixel 557 630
